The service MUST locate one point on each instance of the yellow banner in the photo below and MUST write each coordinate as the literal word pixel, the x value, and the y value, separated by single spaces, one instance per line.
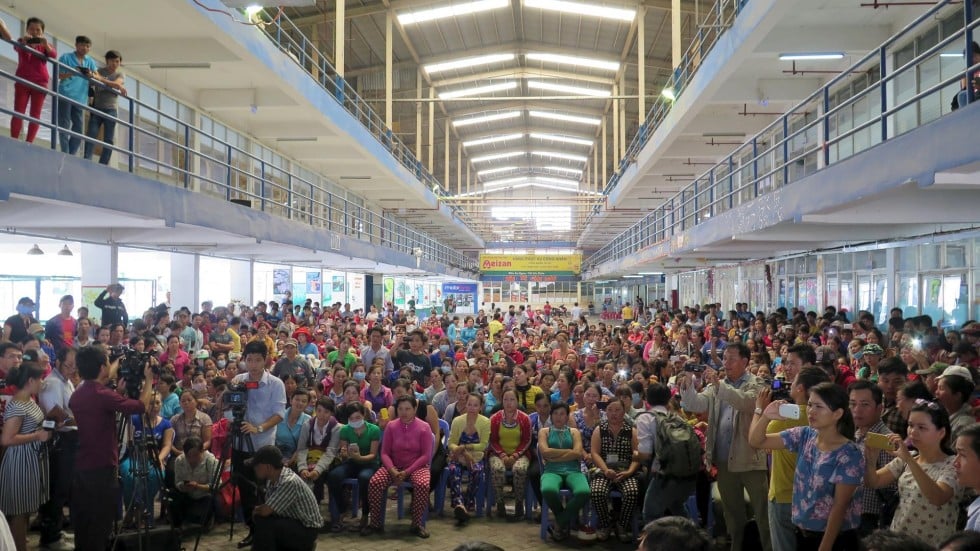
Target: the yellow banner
pixel 545 264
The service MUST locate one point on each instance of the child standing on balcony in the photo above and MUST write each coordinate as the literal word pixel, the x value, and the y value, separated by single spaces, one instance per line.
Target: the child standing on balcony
pixel 33 68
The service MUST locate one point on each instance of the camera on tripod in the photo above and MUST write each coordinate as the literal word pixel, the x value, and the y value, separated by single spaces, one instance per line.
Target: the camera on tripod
pixel 236 398
pixel 131 366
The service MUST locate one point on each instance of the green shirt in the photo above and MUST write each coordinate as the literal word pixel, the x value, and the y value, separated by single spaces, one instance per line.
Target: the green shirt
pixel 349 359
pixel 371 433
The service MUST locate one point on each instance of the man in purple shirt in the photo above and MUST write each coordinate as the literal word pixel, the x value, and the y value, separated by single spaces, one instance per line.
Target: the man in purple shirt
pixel 95 488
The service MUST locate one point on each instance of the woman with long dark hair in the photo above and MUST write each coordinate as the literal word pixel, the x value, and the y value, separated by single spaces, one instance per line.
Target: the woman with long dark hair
pixel 829 468
pixel 927 487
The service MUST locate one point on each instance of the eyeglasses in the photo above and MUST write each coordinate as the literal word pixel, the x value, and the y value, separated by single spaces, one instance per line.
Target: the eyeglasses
pixel 931 405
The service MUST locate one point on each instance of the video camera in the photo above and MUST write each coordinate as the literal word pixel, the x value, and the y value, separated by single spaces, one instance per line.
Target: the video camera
pixel 235 398
pixel 131 366
pixel 780 390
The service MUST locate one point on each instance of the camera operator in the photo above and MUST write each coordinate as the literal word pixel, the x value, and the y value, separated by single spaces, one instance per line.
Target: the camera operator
pixel 290 517
pixel 265 408
pixel 95 488
pixel 55 394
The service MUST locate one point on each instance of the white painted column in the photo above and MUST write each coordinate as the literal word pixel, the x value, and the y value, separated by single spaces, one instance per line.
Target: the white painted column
pixel 641 55
pixel 241 282
pixel 388 68
pixel 339 43
pixel 615 127
pixel 185 287
pixel 418 116
pixel 432 130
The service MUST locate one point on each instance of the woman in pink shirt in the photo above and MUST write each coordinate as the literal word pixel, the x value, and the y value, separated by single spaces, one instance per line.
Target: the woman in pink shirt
pixel 174 354
pixel 406 450
pixel 32 68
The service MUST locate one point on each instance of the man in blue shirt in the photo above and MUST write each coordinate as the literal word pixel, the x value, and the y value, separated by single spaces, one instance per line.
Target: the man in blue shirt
pixel 75 87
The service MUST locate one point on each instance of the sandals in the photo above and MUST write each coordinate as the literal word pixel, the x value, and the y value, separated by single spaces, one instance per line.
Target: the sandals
pixel 420 531
pixel 461 515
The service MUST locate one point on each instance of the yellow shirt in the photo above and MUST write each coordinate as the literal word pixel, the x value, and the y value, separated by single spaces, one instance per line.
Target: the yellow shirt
pixel 510 438
pixel 783 462
pixel 627 313
pixel 236 342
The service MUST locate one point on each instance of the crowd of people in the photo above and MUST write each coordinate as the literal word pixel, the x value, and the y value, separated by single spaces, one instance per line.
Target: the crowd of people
pixel 803 430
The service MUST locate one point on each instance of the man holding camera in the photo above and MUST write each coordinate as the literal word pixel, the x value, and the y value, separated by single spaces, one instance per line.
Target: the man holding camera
pixel 95 488
pixel 265 408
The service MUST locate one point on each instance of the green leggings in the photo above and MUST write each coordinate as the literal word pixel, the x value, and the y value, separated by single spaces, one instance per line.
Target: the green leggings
pixel 551 483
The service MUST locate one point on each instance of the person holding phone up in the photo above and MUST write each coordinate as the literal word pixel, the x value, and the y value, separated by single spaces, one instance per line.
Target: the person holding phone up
pixel 928 489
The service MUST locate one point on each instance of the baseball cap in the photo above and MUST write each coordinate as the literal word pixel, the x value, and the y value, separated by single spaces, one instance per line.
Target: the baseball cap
pixel 937 368
pixel 266 455
pixel 872 349
pixel 290 342
pixel 202 355
pixel 35 328
pixel 826 354
pixel 959 371
pixel 25 301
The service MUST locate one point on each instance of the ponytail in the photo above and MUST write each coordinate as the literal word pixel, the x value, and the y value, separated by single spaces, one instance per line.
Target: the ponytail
pixel 19 376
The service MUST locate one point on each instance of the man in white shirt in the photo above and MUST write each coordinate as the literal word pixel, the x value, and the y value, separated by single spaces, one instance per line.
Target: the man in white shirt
pixel 663 493
pixel 53 399
pixel 576 311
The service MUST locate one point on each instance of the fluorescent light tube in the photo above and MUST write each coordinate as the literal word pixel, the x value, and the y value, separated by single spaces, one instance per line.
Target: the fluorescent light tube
pixel 467 62
pixel 490 171
pixel 562 139
pixel 546 186
pixel 496 156
pixel 477 90
pixel 632 277
pixel 563 169
pixel 811 56
pixel 582 9
pixel 650 273
pixel 559 155
pixel 453 10
pixel 492 139
pixel 587 62
pixel 487 118
pixel 566 89
pixel 505 181
pixel 556 181
pixel 958 55
pixel 565 118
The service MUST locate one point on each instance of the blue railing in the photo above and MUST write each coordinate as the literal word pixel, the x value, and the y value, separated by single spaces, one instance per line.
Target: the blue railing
pixel 196 160
pixel 813 135
pixel 294 43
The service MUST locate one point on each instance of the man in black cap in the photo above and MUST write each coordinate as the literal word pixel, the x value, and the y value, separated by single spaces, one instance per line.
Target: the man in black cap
pixel 15 327
pixel 290 517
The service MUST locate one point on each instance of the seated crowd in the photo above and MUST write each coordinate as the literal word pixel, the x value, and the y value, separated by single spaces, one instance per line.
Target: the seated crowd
pixel 825 432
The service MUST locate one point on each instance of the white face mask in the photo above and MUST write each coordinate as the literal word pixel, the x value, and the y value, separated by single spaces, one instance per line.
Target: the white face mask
pixel 199 387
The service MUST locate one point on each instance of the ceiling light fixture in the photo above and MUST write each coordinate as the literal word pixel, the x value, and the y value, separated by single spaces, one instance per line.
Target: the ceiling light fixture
pixel 487 118
pixel 490 171
pixel 562 139
pixel 492 139
pixel 811 56
pixel 505 182
pixel 65 251
pixel 560 155
pixel 35 250
pixel 563 169
pixel 669 93
pixel 650 273
pixel 557 181
pixel 566 89
pixel 467 62
pixel 632 277
pixel 576 8
pixel 454 10
pixel 477 90
pixel 565 118
pixel 587 62
pixel 497 156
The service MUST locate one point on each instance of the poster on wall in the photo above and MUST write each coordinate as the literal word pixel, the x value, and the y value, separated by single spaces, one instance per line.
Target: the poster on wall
pixel 401 292
pixel 338 288
pixel 462 297
pixel 355 291
pixel 314 283
pixel 299 293
pixel 389 290
pixel 281 282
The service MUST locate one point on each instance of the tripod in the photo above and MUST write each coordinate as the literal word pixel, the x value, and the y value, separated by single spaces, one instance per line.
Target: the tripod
pixel 235 441
pixel 143 455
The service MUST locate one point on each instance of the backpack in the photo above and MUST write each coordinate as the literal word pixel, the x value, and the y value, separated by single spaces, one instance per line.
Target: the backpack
pixel 677 447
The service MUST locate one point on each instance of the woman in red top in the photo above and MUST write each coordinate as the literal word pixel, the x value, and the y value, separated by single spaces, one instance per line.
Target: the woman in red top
pixel 32 68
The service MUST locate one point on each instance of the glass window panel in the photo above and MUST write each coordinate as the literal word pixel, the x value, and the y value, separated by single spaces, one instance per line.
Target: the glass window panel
pixel 847 294
pixel 908 295
pixel 955 255
pixel 907 258
pixel 878 259
pixel 929 257
pixel 13 24
pixel 829 263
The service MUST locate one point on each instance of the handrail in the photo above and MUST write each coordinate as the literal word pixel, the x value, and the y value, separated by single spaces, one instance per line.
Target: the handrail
pixel 277 190
pixel 281 30
pixel 779 157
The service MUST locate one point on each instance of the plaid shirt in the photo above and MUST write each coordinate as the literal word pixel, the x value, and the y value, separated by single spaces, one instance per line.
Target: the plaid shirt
pixel 290 497
pixel 892 418
pixel 870 498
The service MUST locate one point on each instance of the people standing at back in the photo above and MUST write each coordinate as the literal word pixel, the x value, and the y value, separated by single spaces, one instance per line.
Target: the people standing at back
pixel 73 86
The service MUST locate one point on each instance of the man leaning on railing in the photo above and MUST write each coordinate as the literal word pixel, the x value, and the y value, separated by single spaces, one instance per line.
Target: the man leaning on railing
pixel 104 106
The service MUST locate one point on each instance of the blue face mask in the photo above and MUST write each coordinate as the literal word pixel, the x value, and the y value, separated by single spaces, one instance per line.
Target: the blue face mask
pixel 637 401
pixel 444 348
pixel 24 310
pixel 446 369
pixel 359 376
pixel 356 424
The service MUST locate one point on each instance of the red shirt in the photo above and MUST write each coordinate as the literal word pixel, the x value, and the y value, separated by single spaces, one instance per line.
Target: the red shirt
pixel 95 407
pixel 32 67
pixel 68 326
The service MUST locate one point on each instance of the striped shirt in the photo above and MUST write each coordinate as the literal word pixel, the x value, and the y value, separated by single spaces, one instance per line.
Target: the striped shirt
pixel 290 497
pixel 871 498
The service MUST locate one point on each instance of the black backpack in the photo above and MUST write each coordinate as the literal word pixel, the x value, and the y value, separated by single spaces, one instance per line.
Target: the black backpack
pixel 677 447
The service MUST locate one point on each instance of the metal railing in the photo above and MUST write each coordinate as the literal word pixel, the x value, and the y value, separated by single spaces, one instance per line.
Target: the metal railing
pixel 186 156
pixel 815 134
pixel 295 44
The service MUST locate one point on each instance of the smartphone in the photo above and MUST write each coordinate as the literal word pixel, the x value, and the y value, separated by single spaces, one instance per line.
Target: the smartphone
pixel 789 411
pixel 878 441
pixel 48 424
pixel 674 359
pixel 34 40
pixel 693 367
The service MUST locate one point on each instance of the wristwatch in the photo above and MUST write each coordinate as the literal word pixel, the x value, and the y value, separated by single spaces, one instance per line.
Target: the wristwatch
pixel 260 428
pixel 758 411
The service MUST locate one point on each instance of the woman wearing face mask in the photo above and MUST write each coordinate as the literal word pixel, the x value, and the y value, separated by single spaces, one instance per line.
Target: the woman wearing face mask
pixel 443 352
pixel 928 490
pixel 358 374
pixel 288 430
pixel 174 354
pixel 378 394
pixel 359 445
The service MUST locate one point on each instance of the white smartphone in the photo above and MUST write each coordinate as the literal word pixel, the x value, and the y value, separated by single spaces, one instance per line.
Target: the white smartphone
pixel 789 411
